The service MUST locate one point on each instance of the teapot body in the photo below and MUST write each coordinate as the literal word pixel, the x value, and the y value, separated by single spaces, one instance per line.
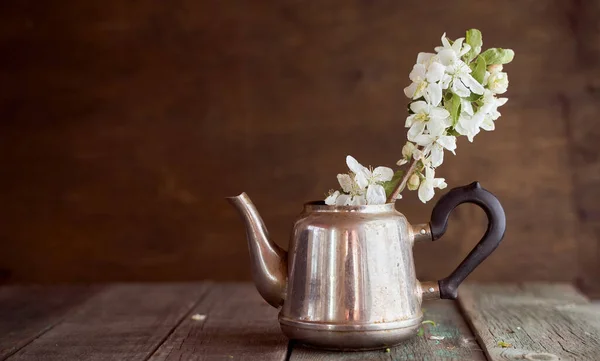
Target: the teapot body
pixel 348 279
pixel 351 278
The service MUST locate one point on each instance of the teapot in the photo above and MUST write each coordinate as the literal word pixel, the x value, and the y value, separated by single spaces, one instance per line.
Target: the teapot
pixel 348 281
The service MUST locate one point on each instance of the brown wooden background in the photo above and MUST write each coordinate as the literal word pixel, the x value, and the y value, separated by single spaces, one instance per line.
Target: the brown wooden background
pixel 125 124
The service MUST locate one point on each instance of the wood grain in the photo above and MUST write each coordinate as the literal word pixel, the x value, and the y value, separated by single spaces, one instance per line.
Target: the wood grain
pixel 27 312
pixel 539 322
pixel 124 125
pixel 232 322
pixel 449 339
pixel 123 322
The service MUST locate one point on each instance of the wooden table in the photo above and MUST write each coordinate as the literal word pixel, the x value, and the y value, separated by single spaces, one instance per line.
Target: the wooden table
pixel 208 321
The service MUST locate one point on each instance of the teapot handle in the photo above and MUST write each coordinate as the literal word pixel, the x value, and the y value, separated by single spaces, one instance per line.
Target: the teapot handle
pixel 472 193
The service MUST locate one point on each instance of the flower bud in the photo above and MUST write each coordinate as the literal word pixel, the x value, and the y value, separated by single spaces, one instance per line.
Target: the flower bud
pixel 495 68
pixel 498 82
pixel 408 150
pixel 413 182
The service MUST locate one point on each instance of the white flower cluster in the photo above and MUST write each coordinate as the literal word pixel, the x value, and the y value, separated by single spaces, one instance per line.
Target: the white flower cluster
pixel 453 93
pixel 361 186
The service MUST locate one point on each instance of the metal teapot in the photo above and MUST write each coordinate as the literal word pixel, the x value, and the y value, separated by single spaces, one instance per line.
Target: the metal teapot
pixel 347 281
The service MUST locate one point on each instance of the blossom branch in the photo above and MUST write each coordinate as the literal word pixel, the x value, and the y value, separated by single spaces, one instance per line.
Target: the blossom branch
pixel 411 169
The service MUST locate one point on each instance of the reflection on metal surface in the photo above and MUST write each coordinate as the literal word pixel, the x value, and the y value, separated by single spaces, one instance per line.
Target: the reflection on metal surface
pixel 269 264
pixel 421 232
pixel 351 280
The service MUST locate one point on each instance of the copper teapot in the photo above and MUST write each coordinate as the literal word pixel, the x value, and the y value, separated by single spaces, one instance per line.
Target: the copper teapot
pixel 347 281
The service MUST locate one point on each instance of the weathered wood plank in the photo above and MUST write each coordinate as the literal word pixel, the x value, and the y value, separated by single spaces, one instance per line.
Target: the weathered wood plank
pixel 123 322
pixel 449 339
pixel 232 322
pixel 540 322
pixel 26 312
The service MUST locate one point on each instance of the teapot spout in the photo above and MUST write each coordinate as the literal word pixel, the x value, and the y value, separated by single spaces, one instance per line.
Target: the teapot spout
pixel 268 260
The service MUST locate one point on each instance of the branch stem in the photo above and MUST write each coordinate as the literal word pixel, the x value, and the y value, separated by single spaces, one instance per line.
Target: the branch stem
pixel 400 187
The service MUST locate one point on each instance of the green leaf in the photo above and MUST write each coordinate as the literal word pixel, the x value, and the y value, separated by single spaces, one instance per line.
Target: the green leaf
pixel 390 185
pixel 498 56
pixel 421 332
pixel 474 97
pixel 453 106
pixel 479 72
pixel 475 40
pixel 453 132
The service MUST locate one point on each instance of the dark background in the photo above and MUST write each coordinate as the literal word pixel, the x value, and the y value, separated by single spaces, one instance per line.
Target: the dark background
pixel 124 124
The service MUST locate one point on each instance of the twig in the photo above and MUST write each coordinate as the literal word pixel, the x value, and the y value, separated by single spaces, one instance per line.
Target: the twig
pixel 400 187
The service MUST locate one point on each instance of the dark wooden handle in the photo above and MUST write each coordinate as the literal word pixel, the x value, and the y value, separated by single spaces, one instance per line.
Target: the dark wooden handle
pixel 472 193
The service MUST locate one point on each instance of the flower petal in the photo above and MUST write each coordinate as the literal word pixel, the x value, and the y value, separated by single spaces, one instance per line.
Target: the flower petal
pixel 354 165
pixel 437 155
pixel 448 142
pixel 436 126
pixel 409 120
pixel 383 174
pixel 488 124
pixel 362 179
pixel 424 58
pixel 415 130
pixel 358 201
pixel 426 191
pixel 458 45
pixel 424 140
pixel 439 112
pixel 434 93
pixel 445 41
pixel 439 183
pixel 331 199
pixel 342 200
pixel 376 194
pixel 435 72
pixel 419 106
pixel 460 89
pixel 466 106
pixel 346 182
pixel 471 83
pixel 417 73
pixel 447 56
pixel 408 150
pixel 501 101
pixel 410 90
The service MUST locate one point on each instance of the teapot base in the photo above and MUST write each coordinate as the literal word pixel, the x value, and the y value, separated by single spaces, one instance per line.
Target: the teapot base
pixel 350 337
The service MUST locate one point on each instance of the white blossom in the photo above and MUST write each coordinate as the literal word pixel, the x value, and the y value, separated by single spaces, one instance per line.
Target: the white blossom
pixel 426 189
pixel 459 79
pixel 491 103
pixel 435 118
pixel 370 180
pixel 468 124
pixel 442 85
pixel 331 199
pixel 450 53
pixel 346 182
pixel 435 144
pixel 498 82
pixel 409 151
pixel 425 76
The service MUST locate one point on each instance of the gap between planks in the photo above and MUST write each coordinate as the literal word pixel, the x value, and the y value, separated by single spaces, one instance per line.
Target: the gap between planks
pixel 28 312
pixel 123 321
pixel 233 323
pixel 537 321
